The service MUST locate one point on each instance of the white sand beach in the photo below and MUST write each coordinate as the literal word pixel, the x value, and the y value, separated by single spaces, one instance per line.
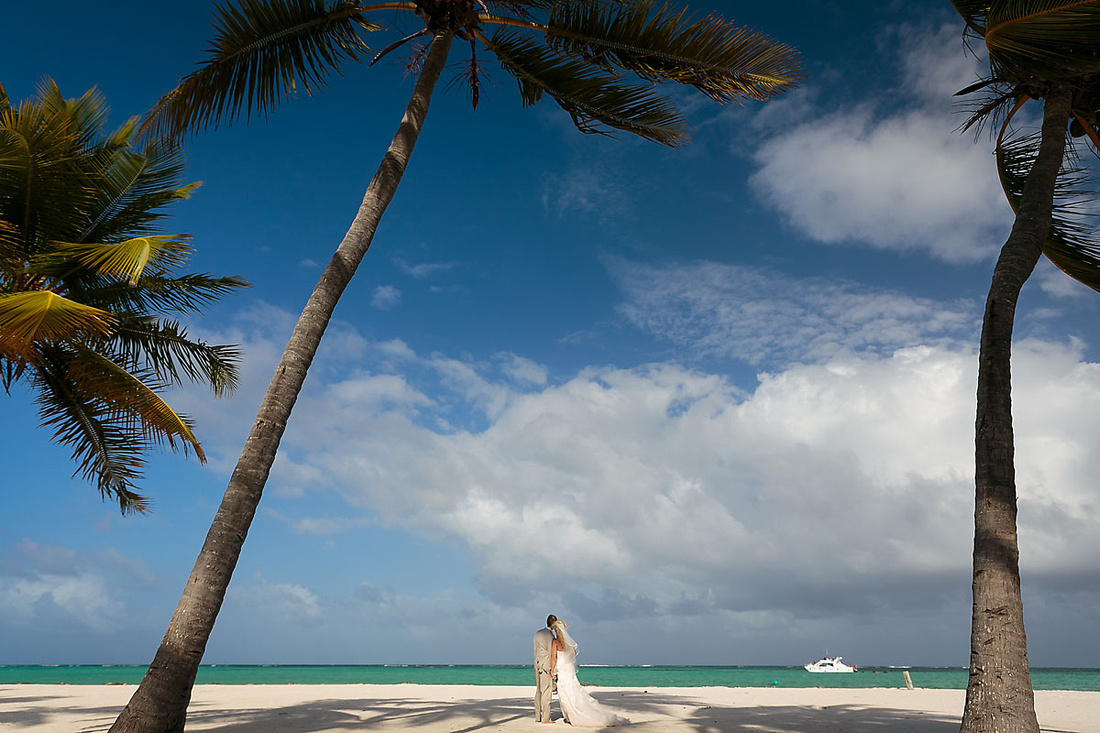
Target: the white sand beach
pixel 458 708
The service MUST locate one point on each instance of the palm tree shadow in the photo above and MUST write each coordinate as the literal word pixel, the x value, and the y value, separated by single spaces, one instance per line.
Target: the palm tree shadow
pixel 801 718
pixel 651 711
pixel 654 710
pixel 27 712
pixel 457 716
pixel 648 711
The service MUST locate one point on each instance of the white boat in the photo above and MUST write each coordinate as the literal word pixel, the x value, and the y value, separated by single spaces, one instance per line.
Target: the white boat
pixel 829 665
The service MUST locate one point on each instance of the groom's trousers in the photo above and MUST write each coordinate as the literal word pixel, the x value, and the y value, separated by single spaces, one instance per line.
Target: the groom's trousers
pixel 544 687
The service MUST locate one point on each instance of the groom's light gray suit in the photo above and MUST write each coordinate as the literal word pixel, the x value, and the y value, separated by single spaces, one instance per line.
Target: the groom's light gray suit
pixel 544 641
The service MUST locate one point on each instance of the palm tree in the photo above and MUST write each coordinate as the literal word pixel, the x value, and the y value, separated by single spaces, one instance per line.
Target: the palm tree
pixel 1046 51
pixel 599 60
pixel 85 285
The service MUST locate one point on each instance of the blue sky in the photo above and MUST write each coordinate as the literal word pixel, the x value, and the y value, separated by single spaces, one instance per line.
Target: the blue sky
pixel 712 405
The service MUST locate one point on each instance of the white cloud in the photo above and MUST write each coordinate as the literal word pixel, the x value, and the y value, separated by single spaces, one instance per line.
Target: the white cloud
pixel 760 316
pixel 297 478
pixel 523 370
pixel 422 270
pixel 935 64
pixel 901 180
pixel 583 190
pixel 845 480
pixel 1058 284
pixel 825 474
pixel 826 488
pixel 288 601
pixel 42 582
pixel 81 598
pixel 385 297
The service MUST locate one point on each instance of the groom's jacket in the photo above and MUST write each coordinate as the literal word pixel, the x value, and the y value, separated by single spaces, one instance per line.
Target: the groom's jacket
pixel 544 640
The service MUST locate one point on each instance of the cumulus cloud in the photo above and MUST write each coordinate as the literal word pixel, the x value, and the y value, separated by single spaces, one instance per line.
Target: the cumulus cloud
pixel 289 601
pixel 42 582
pixel 523 370
pixel 835 485
pixel 830 485
pixel 1058 284
pixel 890 178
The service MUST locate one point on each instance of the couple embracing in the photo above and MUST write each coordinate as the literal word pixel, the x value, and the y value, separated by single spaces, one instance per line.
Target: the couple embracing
pixel 556 661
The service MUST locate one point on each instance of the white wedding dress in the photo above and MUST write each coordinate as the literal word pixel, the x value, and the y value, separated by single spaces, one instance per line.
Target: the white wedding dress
pixel 577 705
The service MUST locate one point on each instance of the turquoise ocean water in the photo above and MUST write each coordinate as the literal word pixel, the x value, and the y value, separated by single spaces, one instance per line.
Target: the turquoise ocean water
pixel 609 676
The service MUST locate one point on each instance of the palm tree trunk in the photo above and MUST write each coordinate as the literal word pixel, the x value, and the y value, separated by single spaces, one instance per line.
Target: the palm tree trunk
pixel 999 697
pixel 160 702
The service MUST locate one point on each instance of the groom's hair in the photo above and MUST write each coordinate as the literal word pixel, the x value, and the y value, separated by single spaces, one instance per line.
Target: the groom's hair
pixel 550 620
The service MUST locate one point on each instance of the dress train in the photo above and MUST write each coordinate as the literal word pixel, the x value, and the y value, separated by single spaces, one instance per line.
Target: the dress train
pixel 578 707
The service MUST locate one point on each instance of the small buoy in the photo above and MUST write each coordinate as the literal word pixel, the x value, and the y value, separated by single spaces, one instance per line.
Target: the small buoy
pixel 775 682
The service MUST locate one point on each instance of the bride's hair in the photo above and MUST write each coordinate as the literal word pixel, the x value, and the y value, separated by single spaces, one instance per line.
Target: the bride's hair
pixel 566 640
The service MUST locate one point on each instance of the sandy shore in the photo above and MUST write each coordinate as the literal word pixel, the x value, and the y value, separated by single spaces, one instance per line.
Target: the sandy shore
pixel 464 709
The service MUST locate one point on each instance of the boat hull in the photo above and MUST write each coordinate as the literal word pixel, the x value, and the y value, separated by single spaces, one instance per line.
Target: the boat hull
pixel 829 665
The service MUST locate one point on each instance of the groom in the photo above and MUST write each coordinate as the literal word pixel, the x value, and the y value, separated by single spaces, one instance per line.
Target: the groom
pixel 545 654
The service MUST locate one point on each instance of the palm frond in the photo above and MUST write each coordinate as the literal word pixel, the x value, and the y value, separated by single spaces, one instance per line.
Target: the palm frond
pixel 107 452
pixel 165 348
pixel 595 99
pixel 130 258
pixel 263 50
pixel 158 294
pixel 82 272
pixel 86 115
pixel 131 401
pixel 1050 41
pixel 40 316
pixel 973 12
pixel 723 61
pixel 40 147
pixel 132 187
pixel 397 44
pixel 993 108
pixel 11 250
pixel 1072 245
pixel 519 8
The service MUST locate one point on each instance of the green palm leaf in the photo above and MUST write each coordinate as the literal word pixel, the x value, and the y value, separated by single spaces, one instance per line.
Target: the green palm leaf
pixel 129 396
pixel 129 259
pixel 159 294
pixel 40 316
pixel 165 348
pixel 49 154
pixel 82 273
pixel 262 52
pixel 972 11
pixel 1045 40
pixel 591 96
pixel 131 188
pixel 720 59
pixel 11 250
pixel 1071 245
pixel 106 450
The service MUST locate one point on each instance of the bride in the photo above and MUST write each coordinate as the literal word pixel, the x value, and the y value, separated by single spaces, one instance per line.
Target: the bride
pixel 577 705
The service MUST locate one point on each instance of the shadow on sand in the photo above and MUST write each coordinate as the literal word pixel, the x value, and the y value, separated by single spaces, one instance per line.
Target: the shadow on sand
pixel 648 711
